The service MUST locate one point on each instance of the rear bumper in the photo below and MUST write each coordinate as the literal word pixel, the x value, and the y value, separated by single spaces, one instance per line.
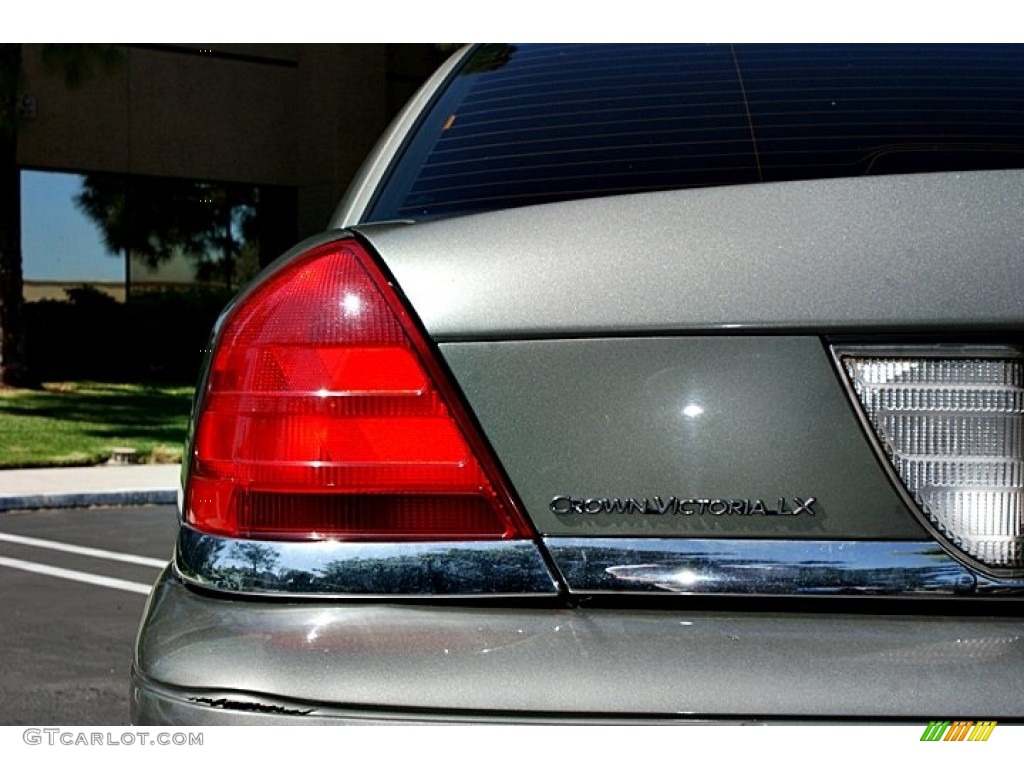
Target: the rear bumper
pixel 208 660
pixel 154 704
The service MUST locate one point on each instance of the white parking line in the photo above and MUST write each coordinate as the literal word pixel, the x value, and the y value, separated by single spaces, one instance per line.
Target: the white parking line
pixel 88 578
pixel 105 554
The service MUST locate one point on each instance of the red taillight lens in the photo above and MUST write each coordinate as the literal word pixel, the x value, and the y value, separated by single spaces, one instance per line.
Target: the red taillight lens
pixel 327 415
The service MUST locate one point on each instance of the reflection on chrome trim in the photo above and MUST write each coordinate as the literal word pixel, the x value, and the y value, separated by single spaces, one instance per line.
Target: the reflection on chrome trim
pixel 360 569
pixel 766 567
pixel 990 586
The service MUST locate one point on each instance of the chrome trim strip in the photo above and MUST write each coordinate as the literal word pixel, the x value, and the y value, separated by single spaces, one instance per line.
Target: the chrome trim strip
pixel 363 569
pixel 994 587
pixel 765 567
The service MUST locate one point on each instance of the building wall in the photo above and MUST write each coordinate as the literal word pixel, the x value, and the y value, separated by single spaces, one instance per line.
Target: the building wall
pixel 296 116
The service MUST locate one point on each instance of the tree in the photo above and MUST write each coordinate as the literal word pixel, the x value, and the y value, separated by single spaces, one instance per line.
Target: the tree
pixel 75 63
pixel 155 219
pixel 258 556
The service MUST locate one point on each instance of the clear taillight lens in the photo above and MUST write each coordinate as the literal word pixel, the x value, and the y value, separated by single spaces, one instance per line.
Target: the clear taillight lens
pixel 953 430
pixel 327 414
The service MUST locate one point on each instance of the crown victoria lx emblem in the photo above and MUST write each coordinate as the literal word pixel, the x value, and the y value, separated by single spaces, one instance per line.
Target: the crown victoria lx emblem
pixel 575 505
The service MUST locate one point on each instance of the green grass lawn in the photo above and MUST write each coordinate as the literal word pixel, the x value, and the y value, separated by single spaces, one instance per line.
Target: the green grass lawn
pixel 78 423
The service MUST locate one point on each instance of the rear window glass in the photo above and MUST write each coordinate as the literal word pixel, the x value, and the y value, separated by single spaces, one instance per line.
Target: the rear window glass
pixel 526 124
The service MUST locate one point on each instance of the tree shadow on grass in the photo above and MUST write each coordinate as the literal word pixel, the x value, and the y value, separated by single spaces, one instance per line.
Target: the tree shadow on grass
pixel 149 412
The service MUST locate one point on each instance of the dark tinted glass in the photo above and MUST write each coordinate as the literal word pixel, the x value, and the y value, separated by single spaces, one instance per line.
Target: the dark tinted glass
pixel 531 124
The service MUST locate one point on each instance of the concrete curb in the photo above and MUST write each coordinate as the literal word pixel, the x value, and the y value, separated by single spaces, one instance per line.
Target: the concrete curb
pixel 103 485
pixel 124 498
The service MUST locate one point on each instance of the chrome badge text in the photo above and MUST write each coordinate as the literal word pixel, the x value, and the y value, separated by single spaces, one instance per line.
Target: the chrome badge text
pixel 655 505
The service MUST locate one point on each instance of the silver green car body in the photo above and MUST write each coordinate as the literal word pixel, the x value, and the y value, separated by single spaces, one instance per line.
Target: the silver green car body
pixel 718 537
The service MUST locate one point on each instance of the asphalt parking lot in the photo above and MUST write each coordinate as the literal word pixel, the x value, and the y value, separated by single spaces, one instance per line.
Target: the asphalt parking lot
pixel 73 585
